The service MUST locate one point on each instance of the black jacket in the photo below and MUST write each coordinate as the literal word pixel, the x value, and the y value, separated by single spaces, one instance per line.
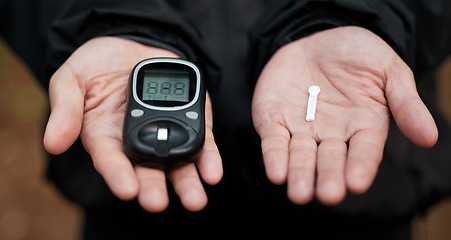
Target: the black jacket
pixel 231 40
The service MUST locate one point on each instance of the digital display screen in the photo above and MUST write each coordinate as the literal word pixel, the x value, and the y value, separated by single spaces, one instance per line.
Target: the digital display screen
pixel 166 85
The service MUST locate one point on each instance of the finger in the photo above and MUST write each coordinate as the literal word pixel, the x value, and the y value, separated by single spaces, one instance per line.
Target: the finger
pixel 114 166
pixel 331 188
pixel 210 162
pixel 302 168
pixel 275 140
pixel 67 103
pixel 153 195
pixel 188 187
pixel 410 114
pixel 364 156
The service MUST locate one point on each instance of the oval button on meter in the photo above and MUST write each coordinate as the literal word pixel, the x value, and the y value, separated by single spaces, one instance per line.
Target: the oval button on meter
pixel 169 128
pixel 192 115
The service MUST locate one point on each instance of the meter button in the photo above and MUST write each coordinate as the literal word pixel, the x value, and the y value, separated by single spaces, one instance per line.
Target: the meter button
pixel 192 115
pixel 137 113
pixel 162 134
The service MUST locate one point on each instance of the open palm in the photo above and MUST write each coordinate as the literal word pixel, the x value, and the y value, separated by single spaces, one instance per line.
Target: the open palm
pixel 87 96
pixel 363 81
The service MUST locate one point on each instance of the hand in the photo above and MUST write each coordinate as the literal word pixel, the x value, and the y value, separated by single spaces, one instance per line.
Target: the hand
pixel 87 97
pixel 362 81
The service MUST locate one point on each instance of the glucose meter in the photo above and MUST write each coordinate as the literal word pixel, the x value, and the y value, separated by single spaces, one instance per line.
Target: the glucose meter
pixel 164 123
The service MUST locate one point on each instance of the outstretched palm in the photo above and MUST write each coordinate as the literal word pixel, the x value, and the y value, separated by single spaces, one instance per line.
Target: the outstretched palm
pixel 362 81
pixel 87 96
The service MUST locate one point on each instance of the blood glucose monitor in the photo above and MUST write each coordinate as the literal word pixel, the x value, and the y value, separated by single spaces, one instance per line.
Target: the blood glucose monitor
pixel 164 123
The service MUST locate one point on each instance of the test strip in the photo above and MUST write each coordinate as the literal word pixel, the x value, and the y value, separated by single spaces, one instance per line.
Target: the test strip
pixel 312 100
pixel 162 134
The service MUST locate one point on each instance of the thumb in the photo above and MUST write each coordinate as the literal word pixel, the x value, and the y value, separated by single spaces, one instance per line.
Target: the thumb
pixel 408 110
pixel 66 117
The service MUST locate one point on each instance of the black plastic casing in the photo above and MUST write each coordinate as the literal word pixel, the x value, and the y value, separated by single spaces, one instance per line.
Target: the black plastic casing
pixel 186 136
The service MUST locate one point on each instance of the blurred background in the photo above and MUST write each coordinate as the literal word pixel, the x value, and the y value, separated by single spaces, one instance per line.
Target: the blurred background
pixel 30 206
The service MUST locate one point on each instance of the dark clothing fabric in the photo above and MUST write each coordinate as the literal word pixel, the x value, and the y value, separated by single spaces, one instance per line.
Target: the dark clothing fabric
pixel 417 30
pixel 231 40
pixel 25 25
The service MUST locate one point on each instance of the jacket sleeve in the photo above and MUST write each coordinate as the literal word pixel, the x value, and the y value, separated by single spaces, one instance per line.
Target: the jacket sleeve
pixel 432 33
pixel 417 30
pixel 151 22
pixel 24 25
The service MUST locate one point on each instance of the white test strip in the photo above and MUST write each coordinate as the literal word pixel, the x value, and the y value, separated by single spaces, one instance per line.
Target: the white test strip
pixel 162 134
pixel 312 100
